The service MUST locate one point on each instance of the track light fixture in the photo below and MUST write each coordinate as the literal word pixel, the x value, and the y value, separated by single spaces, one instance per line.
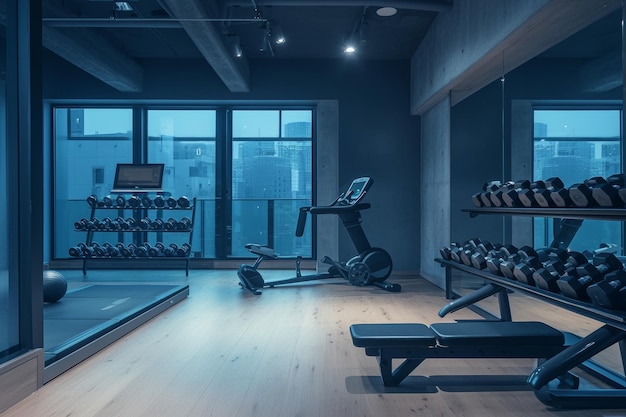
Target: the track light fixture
pixel 356 36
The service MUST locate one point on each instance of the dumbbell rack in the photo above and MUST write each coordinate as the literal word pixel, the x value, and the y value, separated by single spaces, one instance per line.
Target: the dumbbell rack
pixel 140 235
pixel 579 354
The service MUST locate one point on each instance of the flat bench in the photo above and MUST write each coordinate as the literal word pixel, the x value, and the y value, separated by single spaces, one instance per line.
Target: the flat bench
pixel 472 339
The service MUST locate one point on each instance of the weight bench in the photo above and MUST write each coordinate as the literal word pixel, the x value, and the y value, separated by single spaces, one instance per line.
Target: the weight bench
pixel 473 339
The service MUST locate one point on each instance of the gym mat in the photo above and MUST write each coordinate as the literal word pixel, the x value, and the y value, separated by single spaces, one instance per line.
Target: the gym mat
pixel 89 312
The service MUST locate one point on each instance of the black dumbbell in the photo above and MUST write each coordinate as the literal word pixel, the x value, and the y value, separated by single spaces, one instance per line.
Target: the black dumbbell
pixel 107 201
pixel 608 194
pixel 92 200
pixel 157 224
pixel 112 251
pixel 496 258
pixel 527 197
pixel 508 266
pixel 156 250
pixel 496 196
pixel 482 199
pixel 184 250
pixel 146 201
pixel 531 260
pixel 446 251
pixel 183 202
pixel 587 274
pixel 120 200
pixel 546 278
pixel 75 251
pixel 511 197
pixel 134 201
pixel 610 292
pixel 171 202
pixel 184 224
pixel 483 251
pixel 582 193
pixel 170 224
pixel 465 254
pixel 159 201
pixel 543 196
pixel 124 251
pixel 171 250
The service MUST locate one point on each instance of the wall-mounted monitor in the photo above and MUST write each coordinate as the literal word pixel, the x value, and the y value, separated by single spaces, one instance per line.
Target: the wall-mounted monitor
pixel 141 177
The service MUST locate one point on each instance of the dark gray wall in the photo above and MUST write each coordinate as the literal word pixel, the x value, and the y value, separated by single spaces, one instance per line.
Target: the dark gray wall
pixel 377 135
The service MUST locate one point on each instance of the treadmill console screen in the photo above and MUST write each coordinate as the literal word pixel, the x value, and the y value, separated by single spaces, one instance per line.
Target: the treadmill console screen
pixel 357 190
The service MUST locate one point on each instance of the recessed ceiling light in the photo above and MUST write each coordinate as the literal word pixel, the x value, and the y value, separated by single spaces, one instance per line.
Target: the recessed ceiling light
pixel 386 11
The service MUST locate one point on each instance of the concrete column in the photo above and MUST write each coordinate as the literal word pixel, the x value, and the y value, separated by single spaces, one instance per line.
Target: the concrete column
pixel 435 189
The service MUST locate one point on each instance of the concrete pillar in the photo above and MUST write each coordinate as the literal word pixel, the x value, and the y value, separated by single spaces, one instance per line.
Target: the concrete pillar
pixel 435 189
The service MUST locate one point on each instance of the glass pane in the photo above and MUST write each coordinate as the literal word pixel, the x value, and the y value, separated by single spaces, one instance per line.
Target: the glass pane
pixel 85 164
pixel 575 145
pixel 271 180
pixel 184 140
pixel 296 123
pixel 256 123
pixel 9 293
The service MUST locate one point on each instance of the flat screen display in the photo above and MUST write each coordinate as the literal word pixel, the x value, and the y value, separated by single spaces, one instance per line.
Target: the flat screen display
pixel 144 176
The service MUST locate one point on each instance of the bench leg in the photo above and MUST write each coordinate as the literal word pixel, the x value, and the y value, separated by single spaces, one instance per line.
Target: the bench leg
pixel 393 377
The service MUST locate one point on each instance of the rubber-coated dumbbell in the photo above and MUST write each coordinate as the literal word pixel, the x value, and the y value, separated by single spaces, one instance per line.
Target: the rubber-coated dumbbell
pixel 171 250
pixel 183 202
pixel 610 292
pixel 582 193
pixel 502 254
pixel 543 196
pixel 124 251
pixel 446 251
pixel 527 197
pixel 159 201
pixel 170 224
pixel 171 202
pixel 464 255
pixel 134 201
pixel 92 200
pixel 112 251
pixel 146 201
pixel 496 196
pixel 511 197
pixel 589 273
pixel 184 224
pixel 157 224
pixel 546 278
pixel 608 194
pixel 156 250
pixel 478 259
pixel 107 201
pixel 532 260
pixel 184 250
pixel 120 200
pixel 482 199
pixel 508 266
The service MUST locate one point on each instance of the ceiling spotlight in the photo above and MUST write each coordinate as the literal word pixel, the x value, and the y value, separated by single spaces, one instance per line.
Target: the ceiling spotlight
pixel 277 33
pixel 350 46
pixel 386 11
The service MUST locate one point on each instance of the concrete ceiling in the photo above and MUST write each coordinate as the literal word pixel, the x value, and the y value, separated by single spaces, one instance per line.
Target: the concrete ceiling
pixel 110 44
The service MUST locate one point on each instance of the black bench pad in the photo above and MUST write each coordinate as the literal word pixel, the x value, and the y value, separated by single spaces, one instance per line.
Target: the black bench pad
pixel 392 334
pixel 487 333
pixel 414 342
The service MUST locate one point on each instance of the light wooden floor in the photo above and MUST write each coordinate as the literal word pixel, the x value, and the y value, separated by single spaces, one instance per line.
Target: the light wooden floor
pixel 225 352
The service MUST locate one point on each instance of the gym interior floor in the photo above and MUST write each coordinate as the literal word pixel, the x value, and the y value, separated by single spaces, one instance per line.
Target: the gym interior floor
pixel 226 352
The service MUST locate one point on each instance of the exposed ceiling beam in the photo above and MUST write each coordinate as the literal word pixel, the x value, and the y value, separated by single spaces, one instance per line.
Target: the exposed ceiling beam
pixel 93 53
pixel 424 5
pixel 210 41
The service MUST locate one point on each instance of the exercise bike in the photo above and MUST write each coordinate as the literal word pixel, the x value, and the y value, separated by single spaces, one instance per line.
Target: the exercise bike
pixel 372 266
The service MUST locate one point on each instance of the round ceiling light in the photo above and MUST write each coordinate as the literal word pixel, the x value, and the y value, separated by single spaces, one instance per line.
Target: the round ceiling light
pixel 386 11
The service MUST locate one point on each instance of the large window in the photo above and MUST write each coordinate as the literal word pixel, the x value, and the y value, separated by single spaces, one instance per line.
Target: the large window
pixel 574 145
pixel 250 170
pixel 88 145
pixel 271 178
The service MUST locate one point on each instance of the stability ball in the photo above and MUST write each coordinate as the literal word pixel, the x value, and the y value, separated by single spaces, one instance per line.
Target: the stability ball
pixel 54 286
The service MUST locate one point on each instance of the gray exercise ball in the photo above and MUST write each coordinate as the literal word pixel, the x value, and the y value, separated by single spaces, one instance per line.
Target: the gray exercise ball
pixel 54 286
